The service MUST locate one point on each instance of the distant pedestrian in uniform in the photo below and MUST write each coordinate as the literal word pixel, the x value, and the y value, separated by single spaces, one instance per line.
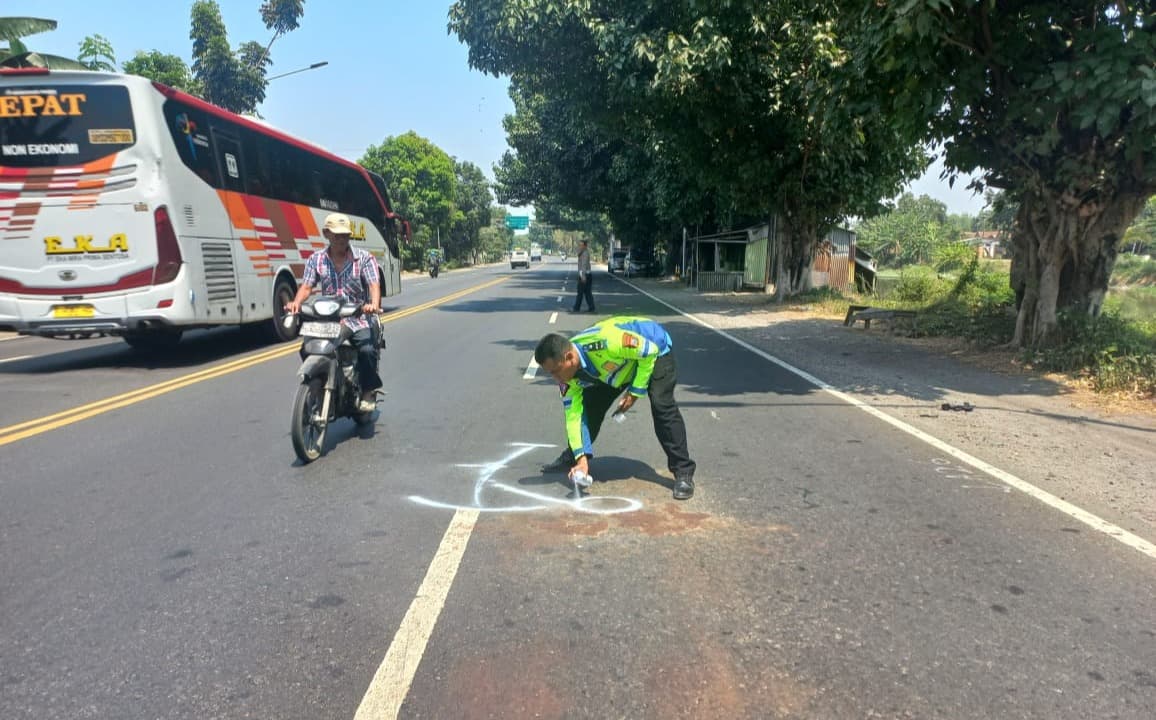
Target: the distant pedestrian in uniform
pixel 592 370
pixel 585 279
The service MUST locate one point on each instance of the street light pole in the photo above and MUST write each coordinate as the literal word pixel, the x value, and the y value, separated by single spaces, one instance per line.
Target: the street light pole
pixel 314 66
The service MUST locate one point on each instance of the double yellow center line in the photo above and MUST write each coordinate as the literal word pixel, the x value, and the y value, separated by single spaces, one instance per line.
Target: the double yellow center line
pixel 20 431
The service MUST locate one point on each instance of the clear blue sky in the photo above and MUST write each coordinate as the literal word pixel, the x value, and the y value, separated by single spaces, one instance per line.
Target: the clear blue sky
pixel 392 68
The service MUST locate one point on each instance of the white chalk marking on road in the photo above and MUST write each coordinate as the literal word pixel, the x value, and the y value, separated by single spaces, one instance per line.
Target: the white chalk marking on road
pixel 594 504
pixel 714 414
pixel 531 370
pixel 1093 521
pixel 390 684
pixel 553 318
pixel 559 299
pixel 14 359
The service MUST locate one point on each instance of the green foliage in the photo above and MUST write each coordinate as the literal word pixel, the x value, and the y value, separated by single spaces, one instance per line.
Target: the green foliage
pixel 1116 355
pixel 96 53
pixel 1137 304
pixel 1054 101
pixel 474 209
pixel 914 232
pixel 920 284
pixel 167 69
pixel 952 256
pixel 421 180
pixel 1140 238
pixel 14 29
pixel 978 305
pixel 686 113
pixel 1134 270
pixel 235 80
pixel 280 16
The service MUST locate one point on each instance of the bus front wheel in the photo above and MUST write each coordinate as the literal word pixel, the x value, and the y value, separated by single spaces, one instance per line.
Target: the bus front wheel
pixel 283 292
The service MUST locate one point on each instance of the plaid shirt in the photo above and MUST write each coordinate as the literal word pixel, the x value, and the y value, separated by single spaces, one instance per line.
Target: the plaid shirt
pixel 350 283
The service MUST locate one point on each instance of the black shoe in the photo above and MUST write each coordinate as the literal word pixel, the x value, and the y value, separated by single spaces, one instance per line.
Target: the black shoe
pixel 683 488
pixel 561 463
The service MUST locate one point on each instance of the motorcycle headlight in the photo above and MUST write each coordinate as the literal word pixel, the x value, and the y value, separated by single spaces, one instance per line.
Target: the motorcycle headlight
pixel 326 307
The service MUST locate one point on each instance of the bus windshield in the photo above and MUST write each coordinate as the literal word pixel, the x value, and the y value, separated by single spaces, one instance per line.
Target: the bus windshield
pixel 50 125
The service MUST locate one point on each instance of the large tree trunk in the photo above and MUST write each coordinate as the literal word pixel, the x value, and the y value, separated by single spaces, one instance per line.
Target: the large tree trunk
pixel 1062 258
pixel 797 252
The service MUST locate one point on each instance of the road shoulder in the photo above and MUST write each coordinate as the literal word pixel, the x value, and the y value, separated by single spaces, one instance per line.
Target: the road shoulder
pixel 1092 453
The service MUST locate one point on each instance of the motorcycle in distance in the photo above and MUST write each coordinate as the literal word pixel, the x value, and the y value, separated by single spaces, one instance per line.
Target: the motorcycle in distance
pixel 433 269
pixel 329 386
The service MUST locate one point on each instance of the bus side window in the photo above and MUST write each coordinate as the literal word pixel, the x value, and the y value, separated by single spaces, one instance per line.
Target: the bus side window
pixel 257 169
pixel 316 188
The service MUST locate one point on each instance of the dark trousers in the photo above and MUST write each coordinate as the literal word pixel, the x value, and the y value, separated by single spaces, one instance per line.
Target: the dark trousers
pixel 585 289
pixel 367 357
pixel 669 427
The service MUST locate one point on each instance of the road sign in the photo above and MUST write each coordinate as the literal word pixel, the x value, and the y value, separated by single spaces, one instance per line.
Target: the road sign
pixel 517 222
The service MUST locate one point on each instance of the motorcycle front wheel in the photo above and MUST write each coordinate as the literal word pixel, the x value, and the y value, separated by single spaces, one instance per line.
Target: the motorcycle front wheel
pixel 308 428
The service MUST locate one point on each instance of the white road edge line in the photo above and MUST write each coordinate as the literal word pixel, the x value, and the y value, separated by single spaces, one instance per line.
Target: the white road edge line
pixel 553 318
pixel 1093 521
pixel 391 682
pixel 531 370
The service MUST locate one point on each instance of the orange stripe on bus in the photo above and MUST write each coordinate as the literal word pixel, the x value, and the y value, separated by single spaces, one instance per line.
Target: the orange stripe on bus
pixel 238 213
pixel 307 220
pixel 101 165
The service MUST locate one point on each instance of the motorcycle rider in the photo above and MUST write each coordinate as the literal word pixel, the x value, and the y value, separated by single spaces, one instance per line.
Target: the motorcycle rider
pixel 351 274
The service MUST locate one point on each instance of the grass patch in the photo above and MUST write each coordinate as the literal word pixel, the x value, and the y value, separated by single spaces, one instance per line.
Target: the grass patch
pixel 1115 352
pixel 1134 270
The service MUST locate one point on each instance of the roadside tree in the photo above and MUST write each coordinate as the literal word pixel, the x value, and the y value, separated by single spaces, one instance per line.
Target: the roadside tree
pixel 420 178
pixel 1053 102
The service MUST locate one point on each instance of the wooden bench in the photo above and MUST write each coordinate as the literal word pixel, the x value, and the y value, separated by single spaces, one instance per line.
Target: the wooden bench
pixel 866 313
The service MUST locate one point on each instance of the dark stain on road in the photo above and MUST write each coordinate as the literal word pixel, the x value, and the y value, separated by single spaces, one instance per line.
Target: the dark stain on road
pixel 326 601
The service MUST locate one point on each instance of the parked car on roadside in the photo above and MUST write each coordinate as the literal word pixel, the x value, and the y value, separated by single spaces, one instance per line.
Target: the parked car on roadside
pixel 640 266
pixel 617 261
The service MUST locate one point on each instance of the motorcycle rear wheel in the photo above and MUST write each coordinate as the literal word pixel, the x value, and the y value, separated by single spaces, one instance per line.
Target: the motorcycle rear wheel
pixel 308 427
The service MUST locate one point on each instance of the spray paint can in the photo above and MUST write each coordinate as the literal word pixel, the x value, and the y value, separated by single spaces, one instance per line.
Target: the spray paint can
pixel 581 479
pixel 618 417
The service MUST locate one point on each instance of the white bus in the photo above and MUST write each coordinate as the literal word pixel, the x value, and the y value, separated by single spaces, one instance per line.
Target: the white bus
pixel 129 208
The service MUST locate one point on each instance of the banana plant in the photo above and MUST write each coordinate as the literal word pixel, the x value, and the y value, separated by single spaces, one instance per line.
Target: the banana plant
pixel 17 54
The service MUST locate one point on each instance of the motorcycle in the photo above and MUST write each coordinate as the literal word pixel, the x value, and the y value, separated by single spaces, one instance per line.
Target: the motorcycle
pixel 329 384
pixel 433 269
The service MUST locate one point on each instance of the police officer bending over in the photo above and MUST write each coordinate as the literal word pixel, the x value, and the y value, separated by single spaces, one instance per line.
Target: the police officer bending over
pixel 594 367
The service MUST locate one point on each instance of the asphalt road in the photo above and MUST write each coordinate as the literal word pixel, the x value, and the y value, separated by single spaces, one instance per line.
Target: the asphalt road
pixel 164 555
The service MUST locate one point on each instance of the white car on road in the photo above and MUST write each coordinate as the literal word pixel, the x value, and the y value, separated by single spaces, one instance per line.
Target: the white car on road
pixel 519 257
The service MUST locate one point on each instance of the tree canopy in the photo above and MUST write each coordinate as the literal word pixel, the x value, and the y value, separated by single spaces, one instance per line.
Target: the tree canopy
pixel 420 177
pixel 689 113
pixel 1053 101
pixel 726 110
